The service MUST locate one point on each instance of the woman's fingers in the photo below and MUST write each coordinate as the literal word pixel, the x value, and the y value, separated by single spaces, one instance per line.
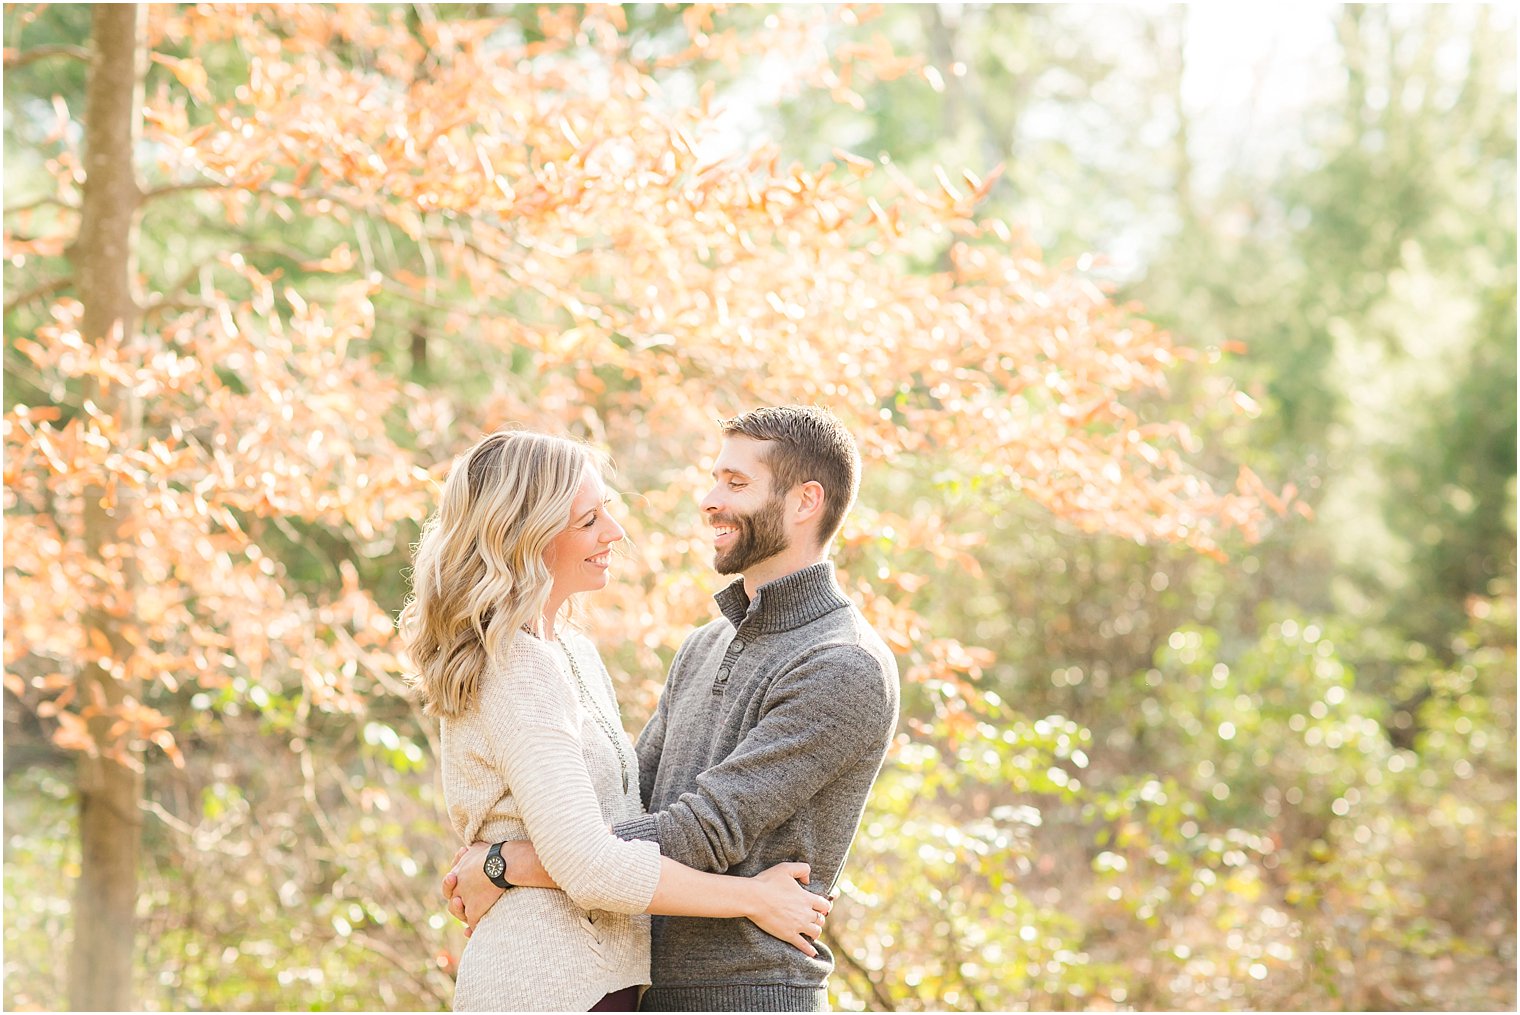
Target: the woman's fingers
pixel 796 871
pixel 803 945
pixel 811 932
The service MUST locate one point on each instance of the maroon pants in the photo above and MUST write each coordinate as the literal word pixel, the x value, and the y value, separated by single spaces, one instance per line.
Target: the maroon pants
pixel 626 999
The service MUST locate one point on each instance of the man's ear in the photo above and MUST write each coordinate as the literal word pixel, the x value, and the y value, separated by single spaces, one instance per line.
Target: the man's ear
pixel 810 498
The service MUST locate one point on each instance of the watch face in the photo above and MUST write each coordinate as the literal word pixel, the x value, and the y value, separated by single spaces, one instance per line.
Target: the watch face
pixel 495 866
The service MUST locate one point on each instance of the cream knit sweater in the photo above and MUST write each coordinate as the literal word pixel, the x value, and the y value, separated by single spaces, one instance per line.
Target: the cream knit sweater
pixel 529 760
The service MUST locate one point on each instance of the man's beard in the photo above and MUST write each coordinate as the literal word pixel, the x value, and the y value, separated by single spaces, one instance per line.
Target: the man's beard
pixel 759 536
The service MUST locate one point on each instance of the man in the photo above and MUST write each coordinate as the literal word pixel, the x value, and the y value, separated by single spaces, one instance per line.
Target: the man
pixel 772 725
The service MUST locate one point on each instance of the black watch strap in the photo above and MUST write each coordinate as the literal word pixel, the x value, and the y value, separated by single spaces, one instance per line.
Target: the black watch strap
pixel 496 868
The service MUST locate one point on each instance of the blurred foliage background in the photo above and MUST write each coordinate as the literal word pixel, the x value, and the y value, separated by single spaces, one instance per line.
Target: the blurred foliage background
pixel 1282 780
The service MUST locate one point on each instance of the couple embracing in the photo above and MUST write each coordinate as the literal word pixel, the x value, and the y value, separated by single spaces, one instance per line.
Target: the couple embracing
pixel 731 819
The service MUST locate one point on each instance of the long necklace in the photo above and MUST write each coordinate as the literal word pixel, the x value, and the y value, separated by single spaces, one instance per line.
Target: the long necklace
pixel 598 714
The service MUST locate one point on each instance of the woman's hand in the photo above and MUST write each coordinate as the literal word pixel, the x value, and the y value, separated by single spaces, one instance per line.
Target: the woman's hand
pixel 785 910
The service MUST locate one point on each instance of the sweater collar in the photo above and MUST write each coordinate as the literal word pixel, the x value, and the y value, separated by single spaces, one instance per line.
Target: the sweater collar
pixel 788 602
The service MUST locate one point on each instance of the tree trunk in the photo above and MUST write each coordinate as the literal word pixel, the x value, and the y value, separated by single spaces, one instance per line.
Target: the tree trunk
pixel 110 792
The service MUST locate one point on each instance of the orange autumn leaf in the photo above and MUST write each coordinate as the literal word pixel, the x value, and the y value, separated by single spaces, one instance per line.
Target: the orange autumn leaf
pixel 189 72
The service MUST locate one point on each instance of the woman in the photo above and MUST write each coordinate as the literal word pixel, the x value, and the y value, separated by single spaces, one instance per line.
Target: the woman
pixel 533 747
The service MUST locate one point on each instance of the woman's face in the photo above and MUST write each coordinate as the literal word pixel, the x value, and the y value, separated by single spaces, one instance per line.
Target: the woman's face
pixel 579 556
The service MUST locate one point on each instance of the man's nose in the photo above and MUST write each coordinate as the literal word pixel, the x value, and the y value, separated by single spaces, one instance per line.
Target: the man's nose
pixel 711 502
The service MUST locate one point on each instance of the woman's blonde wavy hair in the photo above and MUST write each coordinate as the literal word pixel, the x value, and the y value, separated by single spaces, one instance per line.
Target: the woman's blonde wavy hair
pixel 479 575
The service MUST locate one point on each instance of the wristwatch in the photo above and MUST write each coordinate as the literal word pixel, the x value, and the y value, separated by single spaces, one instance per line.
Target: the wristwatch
pixel 496 868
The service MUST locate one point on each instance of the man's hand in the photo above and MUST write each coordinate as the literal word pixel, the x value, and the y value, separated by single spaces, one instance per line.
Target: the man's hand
pixel 466 889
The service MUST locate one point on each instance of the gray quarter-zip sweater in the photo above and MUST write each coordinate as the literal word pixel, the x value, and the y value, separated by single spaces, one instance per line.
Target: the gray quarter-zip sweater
pixel 769 733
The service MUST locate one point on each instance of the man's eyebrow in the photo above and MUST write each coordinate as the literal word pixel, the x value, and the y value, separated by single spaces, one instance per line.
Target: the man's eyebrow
pixel 729 472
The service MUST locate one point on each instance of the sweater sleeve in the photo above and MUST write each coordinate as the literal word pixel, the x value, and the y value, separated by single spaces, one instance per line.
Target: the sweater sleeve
pixel 536 735
pixel 820 716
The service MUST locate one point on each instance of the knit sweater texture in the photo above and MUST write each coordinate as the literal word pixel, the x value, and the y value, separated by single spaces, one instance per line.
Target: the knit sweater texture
pixel 772 726
pixel 530 760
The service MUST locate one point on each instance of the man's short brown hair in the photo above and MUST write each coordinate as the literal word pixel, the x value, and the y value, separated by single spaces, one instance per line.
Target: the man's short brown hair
pixel 808 444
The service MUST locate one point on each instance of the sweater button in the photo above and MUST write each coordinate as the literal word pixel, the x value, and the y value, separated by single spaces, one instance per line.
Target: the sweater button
pixel 737 647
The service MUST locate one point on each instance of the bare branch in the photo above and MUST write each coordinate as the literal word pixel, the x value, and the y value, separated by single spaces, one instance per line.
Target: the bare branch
pixel 410 295
pixel 202 838
pixel 176 188
pixel 41 202
pixel 172 296
pixel 20 58
pixel 158 308
pixel 403 964
pixel 882 999
pixel 37 292
pixel 57 395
